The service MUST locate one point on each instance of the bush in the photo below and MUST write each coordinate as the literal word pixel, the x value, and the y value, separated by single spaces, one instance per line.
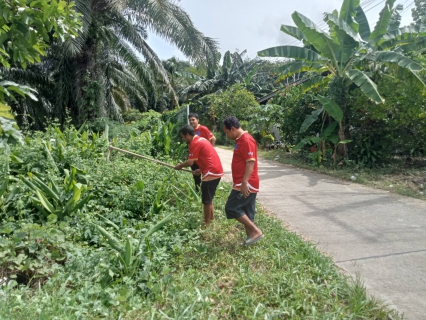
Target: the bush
pixel 234 101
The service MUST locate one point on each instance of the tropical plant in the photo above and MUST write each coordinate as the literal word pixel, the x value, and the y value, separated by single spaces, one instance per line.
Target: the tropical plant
pixel 254 74
pixel 128 258
pixel 349 55
pixel 100 72
pixel 57 201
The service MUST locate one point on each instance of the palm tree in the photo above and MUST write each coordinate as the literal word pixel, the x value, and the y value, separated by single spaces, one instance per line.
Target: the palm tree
pixel 349 55
pixel 110 64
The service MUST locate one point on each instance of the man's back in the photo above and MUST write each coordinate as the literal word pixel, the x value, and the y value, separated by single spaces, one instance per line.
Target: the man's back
pixel 206 158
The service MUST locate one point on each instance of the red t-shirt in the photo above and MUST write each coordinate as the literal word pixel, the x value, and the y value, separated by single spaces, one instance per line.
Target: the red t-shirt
pixel 245 149
pixel 206 158
pixel 203 132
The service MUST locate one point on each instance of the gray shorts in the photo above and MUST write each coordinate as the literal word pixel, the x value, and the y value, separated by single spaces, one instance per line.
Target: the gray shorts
pixel 237 205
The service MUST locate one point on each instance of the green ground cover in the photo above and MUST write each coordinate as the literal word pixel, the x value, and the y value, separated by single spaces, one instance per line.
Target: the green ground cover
pixel 136 248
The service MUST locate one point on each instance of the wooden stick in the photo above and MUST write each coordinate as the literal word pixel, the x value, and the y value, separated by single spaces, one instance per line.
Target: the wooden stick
pixel 143 157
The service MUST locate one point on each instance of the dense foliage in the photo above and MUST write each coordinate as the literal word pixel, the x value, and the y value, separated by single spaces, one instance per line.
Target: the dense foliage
pixel 86 238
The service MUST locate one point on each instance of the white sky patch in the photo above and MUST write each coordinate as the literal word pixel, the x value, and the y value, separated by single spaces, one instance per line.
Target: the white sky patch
pixel 255 25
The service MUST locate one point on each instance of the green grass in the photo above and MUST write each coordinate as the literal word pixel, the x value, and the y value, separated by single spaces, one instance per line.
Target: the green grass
pixel 396 177
pixel 211 277
pixel 281 277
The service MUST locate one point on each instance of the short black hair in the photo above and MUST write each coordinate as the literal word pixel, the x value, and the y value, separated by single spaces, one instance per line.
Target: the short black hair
pixel 230 122
pixel 195 115
pixel 187 129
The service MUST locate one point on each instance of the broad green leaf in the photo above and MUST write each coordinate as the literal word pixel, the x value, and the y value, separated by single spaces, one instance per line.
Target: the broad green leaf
pixel 348 13
pixel 43 187
pixel 334 138
pixel 140 185
pixel 28 183
pixel 52 218
pixel 297 67
pixel 82 202
pixel 418 45
pixel 70 206
pixel 310 119
pixel 158 226
pixel 330 129
pixel 343 26
pixel 364 27
pixel 318 38
pixel 400 59
pixel 128 253
pixel 315 82
pixel 247 79
pixel 344 35
pixel 6 112
pixel 332 108
pixel 16 159
pixel 382 25
pixel 407 32
pixel 112 240
pixel 49 207
pixel 302 143
pixel 293 31
pixel 292 52
pixel 367 86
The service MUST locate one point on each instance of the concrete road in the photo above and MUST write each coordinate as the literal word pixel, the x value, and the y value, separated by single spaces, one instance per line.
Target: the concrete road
pixel 373 233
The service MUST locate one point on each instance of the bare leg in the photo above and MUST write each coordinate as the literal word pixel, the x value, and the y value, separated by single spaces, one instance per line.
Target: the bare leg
pixel 212 212
pixel 207 213
pixel 251 229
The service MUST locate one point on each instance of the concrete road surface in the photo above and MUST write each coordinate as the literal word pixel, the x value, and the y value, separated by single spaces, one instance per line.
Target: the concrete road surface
pixel 373 233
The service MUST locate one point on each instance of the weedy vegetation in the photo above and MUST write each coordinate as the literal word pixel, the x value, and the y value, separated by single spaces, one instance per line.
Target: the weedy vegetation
pixel 82 238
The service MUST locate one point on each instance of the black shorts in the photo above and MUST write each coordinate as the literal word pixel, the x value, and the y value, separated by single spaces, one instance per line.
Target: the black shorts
pixel 197 179
pixel 208 189
pixel 237 205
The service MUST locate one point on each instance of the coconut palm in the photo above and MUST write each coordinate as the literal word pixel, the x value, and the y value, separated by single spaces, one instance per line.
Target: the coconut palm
pixel 350 54
pixel 110 64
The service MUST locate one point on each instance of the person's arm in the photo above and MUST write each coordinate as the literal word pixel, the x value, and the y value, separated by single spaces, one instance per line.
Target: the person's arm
pixel 187 163
pixel 213 140
pixel 247 173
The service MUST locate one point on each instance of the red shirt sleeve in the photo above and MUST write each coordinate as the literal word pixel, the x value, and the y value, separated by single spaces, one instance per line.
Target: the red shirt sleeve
pixel 206 133
pixel 248 150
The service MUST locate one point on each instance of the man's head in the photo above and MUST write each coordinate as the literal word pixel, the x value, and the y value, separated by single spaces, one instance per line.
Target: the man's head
pixel 187 133
pixel 193 120
pixel 232 127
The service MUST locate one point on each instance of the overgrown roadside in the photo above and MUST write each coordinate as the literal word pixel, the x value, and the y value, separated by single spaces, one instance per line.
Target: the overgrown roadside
pixel 136 249
pixel 280 277
pixel 404 179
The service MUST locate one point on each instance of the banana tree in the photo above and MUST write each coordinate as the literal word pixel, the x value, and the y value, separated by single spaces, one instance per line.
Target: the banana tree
pixel 350 54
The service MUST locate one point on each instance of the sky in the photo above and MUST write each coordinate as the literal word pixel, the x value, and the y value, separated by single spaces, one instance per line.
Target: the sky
pixel 255 24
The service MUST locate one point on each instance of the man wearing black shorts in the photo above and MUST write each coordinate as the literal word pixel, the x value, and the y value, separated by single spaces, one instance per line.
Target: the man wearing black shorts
pixel 241 203
pixel 203 132
pixel 202 153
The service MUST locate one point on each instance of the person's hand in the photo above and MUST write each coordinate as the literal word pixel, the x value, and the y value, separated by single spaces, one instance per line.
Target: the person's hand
pixel 196 172
pixel 245 189
pixel 178 166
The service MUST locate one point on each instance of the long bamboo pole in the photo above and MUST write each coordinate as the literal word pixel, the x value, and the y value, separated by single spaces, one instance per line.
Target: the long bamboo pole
pixel 143 157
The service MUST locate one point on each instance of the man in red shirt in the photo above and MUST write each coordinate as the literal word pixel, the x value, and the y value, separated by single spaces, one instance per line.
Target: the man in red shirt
pixel 203 132
pixel 202 153
pixel 241 203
